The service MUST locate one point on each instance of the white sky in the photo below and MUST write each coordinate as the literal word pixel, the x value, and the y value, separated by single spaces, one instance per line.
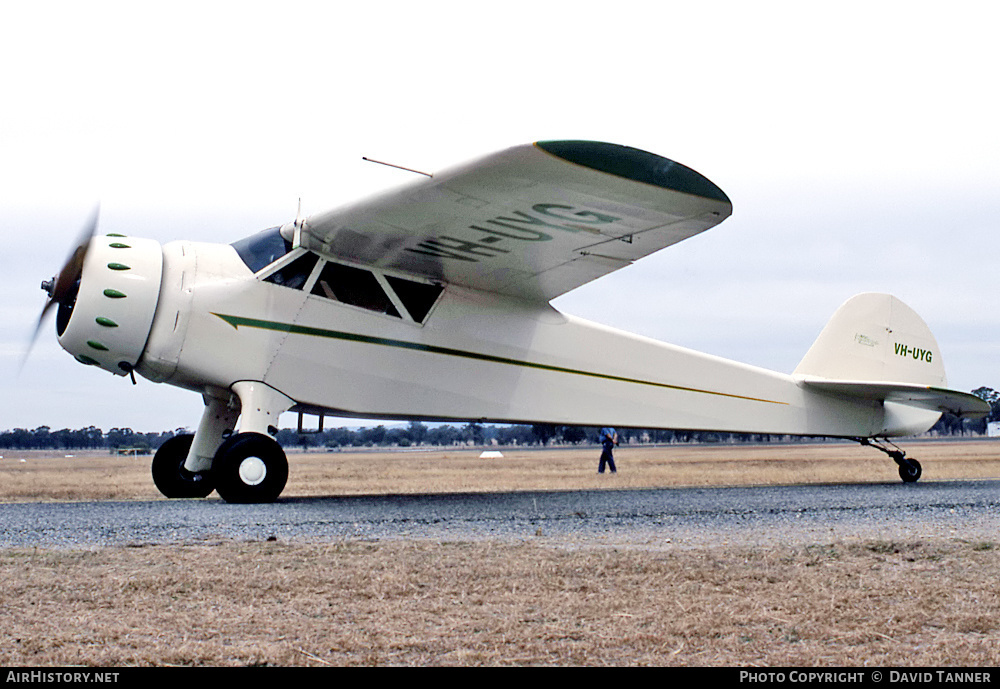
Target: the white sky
pixel 858 141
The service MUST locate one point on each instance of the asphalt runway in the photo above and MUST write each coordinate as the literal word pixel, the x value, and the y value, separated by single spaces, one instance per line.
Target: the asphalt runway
pixel 667 518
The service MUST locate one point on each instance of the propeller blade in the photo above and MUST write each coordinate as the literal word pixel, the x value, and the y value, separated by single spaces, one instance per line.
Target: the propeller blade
pixel 73 268
pixel 62 288
pixel 34 335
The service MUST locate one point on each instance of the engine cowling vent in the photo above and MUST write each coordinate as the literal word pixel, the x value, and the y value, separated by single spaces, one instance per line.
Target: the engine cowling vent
pixel 109 323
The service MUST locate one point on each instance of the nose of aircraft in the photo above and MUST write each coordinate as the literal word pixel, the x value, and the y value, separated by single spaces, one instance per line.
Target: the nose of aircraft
pixel 105 295
pixel 106 310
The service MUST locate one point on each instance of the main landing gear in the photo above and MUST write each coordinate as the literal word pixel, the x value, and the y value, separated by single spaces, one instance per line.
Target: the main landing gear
pixel 244 467
pixel 909 469
pixel 250 468
pixel 247 468
pixel 170 476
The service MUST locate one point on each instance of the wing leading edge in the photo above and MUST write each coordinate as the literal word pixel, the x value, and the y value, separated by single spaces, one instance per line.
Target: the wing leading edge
pixel 533 221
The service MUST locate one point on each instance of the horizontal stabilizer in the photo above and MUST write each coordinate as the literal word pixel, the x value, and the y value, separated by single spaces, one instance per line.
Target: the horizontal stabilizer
pixel 920 396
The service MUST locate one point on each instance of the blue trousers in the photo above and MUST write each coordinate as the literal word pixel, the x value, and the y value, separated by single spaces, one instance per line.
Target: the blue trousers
pixel 607 458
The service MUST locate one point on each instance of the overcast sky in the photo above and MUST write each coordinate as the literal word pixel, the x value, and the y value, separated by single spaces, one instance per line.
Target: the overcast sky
pixel 858 142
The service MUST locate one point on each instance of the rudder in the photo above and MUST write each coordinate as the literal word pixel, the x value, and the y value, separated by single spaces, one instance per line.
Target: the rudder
pixel 875 337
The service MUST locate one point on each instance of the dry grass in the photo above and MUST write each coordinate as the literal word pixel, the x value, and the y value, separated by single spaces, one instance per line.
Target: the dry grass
pixel 920 603
pixel 99 476
pixel 422 603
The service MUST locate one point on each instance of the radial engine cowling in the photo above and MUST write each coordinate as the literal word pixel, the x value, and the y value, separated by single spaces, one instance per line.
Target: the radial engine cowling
pixel 109 322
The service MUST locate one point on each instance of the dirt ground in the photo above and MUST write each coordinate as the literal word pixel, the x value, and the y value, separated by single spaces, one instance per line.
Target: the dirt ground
pixel 918 603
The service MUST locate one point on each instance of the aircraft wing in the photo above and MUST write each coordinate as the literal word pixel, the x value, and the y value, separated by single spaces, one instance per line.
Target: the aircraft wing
pixel 921 396
pixel 533 221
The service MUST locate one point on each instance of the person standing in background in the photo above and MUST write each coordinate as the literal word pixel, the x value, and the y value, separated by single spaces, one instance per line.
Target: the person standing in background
pixel 609 438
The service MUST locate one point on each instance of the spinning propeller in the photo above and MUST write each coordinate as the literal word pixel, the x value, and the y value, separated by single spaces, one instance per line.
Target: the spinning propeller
pixel 63 287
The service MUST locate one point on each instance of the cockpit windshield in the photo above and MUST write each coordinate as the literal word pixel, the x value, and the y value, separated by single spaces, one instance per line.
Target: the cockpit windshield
pixel 262 249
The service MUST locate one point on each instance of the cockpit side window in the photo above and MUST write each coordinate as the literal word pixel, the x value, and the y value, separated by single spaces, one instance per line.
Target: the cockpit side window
pixel 417 297
pixel 353 286
pixel 262 249
pixel 296 273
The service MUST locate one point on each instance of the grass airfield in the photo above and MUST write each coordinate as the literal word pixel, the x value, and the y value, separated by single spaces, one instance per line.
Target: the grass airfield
pixel 927 602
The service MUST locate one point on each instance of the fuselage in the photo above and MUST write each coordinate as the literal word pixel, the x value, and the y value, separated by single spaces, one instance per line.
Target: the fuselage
pixel 472 355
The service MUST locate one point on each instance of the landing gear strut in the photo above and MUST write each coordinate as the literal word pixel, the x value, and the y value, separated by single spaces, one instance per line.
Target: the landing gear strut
pixel 248 466
pixel 909 469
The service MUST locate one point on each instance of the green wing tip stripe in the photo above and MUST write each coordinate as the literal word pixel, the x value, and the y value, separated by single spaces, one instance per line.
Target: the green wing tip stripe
pixel 114 234
pixel 636 165
pixel 96 345
pixel 106 322
pixel 119 266
pixel 114 294
pixel 237 321
pixel 119 245
pixel 84 359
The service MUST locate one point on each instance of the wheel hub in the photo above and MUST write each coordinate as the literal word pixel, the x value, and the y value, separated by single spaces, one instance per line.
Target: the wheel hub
pixel 252 471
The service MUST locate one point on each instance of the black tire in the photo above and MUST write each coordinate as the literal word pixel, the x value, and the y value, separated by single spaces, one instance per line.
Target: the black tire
pixel 909 470
pixel 250 468
pixel 170 476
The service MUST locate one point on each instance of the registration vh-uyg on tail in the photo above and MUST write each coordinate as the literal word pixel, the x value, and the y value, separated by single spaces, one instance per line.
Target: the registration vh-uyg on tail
pixel 432 301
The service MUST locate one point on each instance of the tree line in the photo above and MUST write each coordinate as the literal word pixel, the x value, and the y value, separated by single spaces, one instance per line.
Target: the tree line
pixel 416 434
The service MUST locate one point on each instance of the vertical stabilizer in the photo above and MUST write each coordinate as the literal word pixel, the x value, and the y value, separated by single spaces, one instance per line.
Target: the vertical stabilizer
pixel 878 338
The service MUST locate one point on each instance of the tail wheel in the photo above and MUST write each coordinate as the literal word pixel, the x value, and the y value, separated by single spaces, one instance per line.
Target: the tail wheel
pixel 250 468
pixel 909 470
pixel 170 476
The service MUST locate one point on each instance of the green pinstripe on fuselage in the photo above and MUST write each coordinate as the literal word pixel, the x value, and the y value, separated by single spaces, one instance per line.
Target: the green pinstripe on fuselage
pixel 291 328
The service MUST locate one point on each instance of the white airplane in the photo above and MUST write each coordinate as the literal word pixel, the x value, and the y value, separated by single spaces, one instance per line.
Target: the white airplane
pixel 431 301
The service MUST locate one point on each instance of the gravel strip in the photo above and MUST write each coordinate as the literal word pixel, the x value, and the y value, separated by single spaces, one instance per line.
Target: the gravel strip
pixel 689 517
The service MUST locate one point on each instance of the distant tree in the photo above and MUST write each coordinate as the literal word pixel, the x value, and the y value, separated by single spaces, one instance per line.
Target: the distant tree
pixel 992 397
pixel 416 432
pixel 63 438
pixel 473 433
pixel 120 437
pixel 444 436
pixel 41 438
pixel 373 436
pixel 338 437
pixel 514 435
pixel 661 436
pixel 544 432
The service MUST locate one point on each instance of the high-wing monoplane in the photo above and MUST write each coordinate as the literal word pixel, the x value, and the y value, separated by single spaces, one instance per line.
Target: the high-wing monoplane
pixel 432 301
